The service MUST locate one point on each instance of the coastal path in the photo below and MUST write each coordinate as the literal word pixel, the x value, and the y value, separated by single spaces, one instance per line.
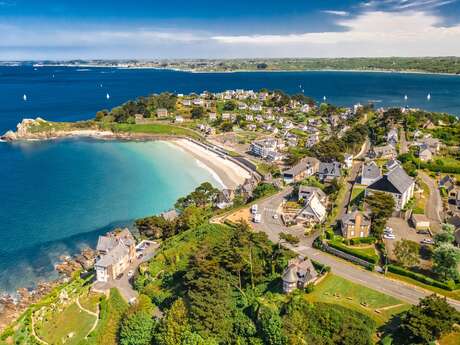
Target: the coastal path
pixel 77 301
pixel 34 334
pixel 398 289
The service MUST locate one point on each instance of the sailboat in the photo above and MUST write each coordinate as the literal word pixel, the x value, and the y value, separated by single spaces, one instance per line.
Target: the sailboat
pixel 24 97
pixel 324 98
pixel 428 97
pixel 107 96
pixel 405 97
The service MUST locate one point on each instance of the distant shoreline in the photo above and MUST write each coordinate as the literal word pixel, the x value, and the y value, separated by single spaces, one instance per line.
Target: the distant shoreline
pixel 249 70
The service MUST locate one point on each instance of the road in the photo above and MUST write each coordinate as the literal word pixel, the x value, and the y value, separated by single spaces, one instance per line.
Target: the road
pixel 403 142
pixel 342 268
pixel 433 207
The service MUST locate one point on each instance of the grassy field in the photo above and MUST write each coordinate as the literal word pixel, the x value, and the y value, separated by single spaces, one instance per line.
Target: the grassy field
pixel 67 327
pixel 336 290
pixel 357 195
pixel 90 301
pixel 157 128
pixel 421 199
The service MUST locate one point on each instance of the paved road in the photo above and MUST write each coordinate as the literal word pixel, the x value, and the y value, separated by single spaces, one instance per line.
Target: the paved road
pixel 376 281
pixel 433 207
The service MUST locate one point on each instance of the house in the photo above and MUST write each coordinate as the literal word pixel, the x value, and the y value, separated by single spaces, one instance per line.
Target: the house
pixel 212 116
pixel 186 102
pixel 298 274
pixel 397 183
pixel 248 186
pixel 448 183
pixel 392 163
pixel 425 154
pixel 457 199
pixel 179 119
pixel 433 144
pixel 420 221
pixel 392 136
pixel 242 106
pixel 198 102
pixel 249 117
pixel 307 166
pixel 386 151
pixel 348 160
pixel 225 198
pixel 162 113
pixel 370 172
pixel 329 171
pixel 305 108
pixel 306 191
pixel 259 118
pixel 262 148
pixel 116 251
pixel 251 127
pixel 313 212
pixel 256 107
pixel 355 224
pixel 312 140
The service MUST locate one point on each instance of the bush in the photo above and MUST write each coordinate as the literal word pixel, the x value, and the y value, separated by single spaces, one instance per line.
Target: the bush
pixel 329 234
pixel 310 288
pixel 291 239
pixel 361 240
pixel 421 278
pixel 320 267
pixel 355 252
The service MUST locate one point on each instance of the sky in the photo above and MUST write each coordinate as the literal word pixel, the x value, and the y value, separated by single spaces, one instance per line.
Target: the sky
pixel 143 29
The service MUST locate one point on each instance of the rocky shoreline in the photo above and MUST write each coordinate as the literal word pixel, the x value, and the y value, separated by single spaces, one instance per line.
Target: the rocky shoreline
pixel 13 305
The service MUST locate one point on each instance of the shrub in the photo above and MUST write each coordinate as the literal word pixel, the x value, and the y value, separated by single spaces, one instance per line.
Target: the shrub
pixel 291 239
pixel 355 252
pixel 320 267
pixel 310 288
pixel 361 240
pixel 421 278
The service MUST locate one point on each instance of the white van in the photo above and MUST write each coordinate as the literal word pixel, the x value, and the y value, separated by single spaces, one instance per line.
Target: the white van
pixel 257 218
pixel 254 209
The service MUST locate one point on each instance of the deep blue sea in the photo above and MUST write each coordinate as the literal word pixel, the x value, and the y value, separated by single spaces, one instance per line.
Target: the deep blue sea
pixel 58 196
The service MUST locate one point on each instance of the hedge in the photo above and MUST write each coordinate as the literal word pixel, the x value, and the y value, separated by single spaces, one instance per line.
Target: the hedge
pixel 372 259
pixel 320 267
pixel 361 240
pixel 420 277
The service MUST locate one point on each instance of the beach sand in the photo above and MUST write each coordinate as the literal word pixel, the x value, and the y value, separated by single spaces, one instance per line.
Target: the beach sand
pixel 230 174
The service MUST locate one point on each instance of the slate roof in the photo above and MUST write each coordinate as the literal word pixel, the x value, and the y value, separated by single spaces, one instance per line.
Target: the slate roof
pixel 310 190
pixel 371 171
pixel 329 169
pixel 105 243
pixel 113 256
pixel 395 181
pixel 302 165
pixel 349 218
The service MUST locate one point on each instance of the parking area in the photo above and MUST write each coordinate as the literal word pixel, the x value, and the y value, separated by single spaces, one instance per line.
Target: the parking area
pixel 402 230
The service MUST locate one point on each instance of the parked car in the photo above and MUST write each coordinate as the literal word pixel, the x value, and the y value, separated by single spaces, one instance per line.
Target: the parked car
pixel 130 273
pixel 427 241
pixel 423 232
pixel 257 218
pixel 389 236
pixel 254 209
pixel 275 216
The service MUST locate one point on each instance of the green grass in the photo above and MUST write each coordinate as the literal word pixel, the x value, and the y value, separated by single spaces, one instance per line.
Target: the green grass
pixel 351 295
pixel 157 128
pixel 90 301
pixel 451 294
pixel 357 195
pixel 56 328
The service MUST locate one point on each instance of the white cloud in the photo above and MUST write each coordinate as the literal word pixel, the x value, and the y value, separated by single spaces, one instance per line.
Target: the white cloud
pixel 337 13
pixel 369 34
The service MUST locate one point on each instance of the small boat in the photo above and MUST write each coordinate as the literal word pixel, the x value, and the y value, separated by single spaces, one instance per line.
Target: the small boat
pixel 428 97
pixel 324 98
pixel 107 96
pixel 406 98
pixel 100 85
pixel 24 97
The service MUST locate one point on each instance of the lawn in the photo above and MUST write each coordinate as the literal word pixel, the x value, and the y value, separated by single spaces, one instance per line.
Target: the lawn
pixel 421 199
pixel 67 327
pixel 90 301
pixel 357 195
pixel 157 128
pixel 336 290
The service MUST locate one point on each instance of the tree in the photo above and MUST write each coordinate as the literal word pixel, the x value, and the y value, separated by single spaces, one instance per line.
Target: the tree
pixel 445 261
pixel 173 325
pixel 427 321
pixel 101 114
pixel 407 252
pixel 381 206
pixel 443 237
pixel 271 327
pixel 229 106
pixel 136 329
pixel 198 112
pixel 226 126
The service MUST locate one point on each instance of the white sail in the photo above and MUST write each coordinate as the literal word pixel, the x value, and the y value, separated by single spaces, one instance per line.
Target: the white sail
pixel 107 96
pixel 24 97
pixel 428 97
pixel 405 97
pixel 324 98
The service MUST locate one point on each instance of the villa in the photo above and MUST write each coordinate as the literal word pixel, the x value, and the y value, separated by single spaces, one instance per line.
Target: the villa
pixel 162 113
pixel 298 274
pixel 308 166
pixel 386 151
pixel 313 212
pixel 397 183
pixel 264 148
pixel 329 171
pixel 355 224
pixel 116 251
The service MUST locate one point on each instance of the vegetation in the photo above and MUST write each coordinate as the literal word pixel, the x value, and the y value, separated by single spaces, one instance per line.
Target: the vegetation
pixel 381 206
pixel 291 239
pixel 407 252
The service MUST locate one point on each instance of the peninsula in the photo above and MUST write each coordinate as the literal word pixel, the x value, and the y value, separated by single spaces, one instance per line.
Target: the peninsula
pixel 321 230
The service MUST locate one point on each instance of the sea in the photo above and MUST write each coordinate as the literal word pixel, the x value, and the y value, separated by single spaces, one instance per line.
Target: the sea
pixel 59 196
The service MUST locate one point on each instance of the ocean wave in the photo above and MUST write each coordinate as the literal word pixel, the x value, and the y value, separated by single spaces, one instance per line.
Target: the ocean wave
pixel 214 175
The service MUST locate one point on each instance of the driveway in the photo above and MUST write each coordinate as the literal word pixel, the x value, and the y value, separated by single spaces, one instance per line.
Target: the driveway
pixel 433 207
pixel 403 291
pixel 401 230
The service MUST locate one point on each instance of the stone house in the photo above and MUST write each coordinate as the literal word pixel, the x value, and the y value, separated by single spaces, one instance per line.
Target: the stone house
pixel 307 166
pixel 355 224
pixel 298 274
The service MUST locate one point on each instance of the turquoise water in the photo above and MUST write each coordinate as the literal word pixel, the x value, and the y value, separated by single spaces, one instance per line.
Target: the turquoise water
pixel 59 196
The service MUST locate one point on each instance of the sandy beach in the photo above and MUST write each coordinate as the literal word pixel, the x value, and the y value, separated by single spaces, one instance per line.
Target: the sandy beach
pixel 230 174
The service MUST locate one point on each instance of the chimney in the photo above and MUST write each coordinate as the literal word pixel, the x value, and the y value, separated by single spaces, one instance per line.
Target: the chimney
pixel 358 220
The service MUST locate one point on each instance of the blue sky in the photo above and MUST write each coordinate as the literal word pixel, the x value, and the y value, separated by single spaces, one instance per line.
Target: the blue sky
pixel 52 29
